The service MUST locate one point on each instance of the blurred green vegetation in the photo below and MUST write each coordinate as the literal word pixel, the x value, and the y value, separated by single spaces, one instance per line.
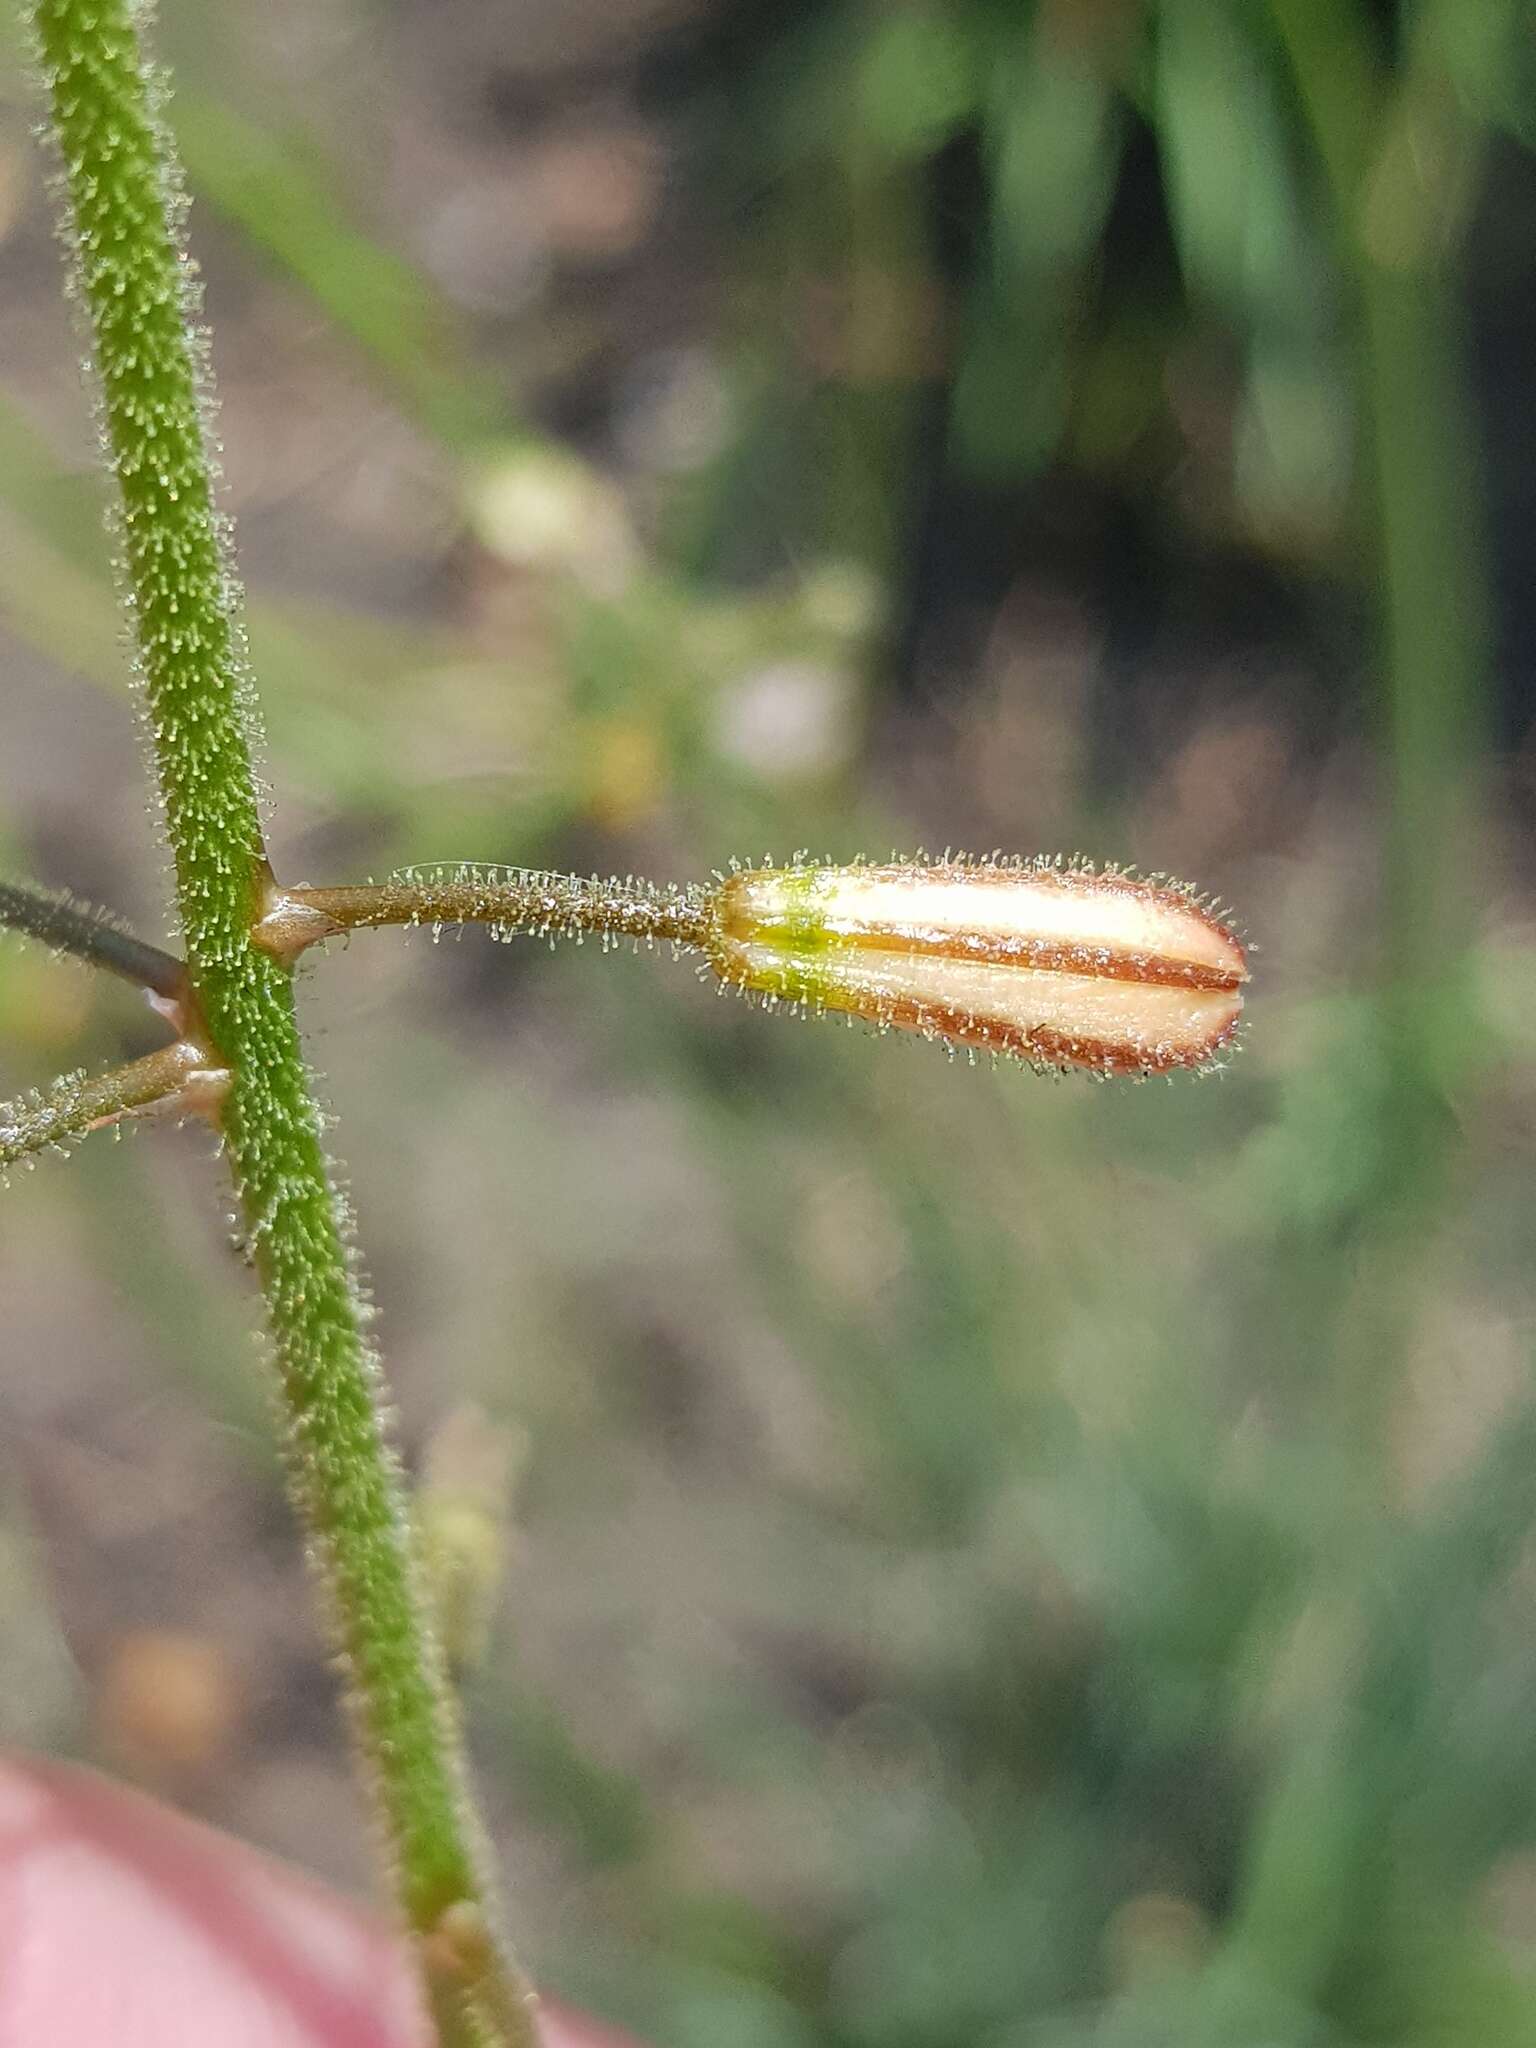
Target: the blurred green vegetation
pixel 997 1563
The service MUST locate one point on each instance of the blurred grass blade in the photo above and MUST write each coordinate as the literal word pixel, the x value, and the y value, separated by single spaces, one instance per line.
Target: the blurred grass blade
pixel 282 195
pixel 1246 245
pixel 1053 137
pixel 916 81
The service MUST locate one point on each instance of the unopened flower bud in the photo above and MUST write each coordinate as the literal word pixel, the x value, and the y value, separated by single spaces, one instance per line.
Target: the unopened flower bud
pixel 1059 965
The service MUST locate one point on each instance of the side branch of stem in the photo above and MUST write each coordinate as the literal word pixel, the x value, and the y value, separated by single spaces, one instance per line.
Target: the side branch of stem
pixel 508 900
pixel 93 938
pixel 77 1104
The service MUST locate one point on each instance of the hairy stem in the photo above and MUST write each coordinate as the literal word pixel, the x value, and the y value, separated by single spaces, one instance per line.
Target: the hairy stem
pixel 76 1104
pixel 507 899
pixel 91 936
pixel 124 219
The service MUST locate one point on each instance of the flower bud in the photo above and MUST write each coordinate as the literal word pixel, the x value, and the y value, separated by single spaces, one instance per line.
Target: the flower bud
pixel 1062 966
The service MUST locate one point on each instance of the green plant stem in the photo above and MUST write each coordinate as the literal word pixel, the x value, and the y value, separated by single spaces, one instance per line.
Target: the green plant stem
pixel 275 186
pixel 1430 567
pixel 1390 221
pixel 507 899
pixel 92 937
pixel 75 1104
pixel 1321 1847
pixel 124 207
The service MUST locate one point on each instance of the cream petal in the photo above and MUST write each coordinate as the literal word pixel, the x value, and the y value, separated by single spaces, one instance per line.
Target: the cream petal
pixel 1063 966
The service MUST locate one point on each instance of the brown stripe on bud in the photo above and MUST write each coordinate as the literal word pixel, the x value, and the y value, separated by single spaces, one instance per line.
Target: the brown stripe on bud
pixel 1061 966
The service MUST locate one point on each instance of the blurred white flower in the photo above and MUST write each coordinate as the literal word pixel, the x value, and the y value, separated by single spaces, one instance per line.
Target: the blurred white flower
pixel 788 722
pixel 540 508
